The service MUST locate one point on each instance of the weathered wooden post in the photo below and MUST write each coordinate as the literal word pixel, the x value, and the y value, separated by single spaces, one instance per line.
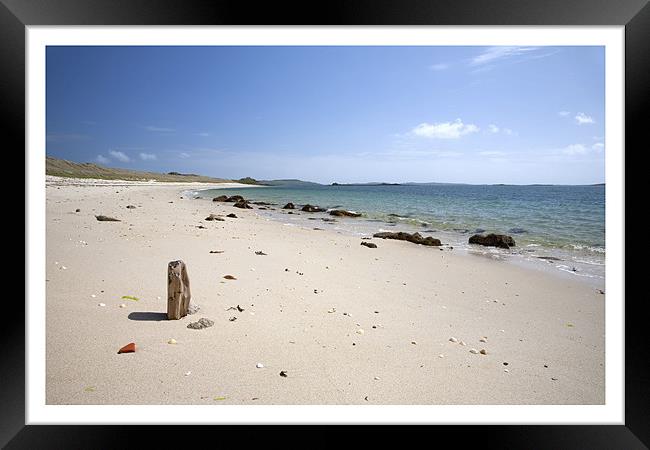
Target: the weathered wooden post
pixel 178 290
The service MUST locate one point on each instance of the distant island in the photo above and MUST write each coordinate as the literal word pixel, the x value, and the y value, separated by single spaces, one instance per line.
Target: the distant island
pixel 365 184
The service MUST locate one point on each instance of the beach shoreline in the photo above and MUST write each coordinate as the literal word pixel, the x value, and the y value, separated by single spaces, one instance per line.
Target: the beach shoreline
pixel 348 324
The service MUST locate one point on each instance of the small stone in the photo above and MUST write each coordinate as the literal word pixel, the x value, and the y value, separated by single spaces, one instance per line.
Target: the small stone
pixel 128 348
pixel 505 363
pixel 283 373
pixel 171 341
pixel 473 351
pixel 483 339
pixel 360 331
pixel 93 295
pixel 441 356
pixel 187 374
pixel 259 365
pixel 453 339
pixel 122 305
pixel 506 370
pixel 483 351
pixel 229 277
pixel 232 319
pixel 462 343
pixel 414 343
pixel 332 310
pixel 101 304
pixel 376 378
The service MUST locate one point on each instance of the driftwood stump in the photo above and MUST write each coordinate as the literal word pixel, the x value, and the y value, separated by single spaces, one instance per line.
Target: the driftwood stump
pixel 178 290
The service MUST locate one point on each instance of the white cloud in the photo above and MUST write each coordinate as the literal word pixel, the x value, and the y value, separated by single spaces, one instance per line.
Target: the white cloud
pixel 159 129
pixel 598 146
pixel 508 131
pixel 582 118
pixel 493 54
pixel 440 66
pixel 102 159
pixel 564 113
pixel 147 156
pixel 444 130
pixel 184 155
pixel 119 156
pixel 575 149
pixel 493 128
pixel 203 134
pixel 492 154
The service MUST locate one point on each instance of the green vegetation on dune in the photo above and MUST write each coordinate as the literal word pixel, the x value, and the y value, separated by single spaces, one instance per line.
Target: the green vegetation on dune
pixel 62 168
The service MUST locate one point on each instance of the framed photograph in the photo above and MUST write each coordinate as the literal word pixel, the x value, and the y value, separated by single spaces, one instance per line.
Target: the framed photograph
pixel 384 215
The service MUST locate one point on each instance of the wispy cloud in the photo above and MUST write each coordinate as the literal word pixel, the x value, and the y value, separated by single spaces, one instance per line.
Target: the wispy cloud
pixel 184 155
pixel 564 113
pixel 120 156
pixel 575 149
pixel 598 146
pixel 492 153
pixel 102 159
pixel 582 119
pixel 159 129
pixel 493 128
pixel 494 54
pixel 444 130
pixel 439 67
pixel 148 156
pixel 203 134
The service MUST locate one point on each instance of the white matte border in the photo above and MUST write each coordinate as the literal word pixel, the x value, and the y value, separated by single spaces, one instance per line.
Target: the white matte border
pixel 38 37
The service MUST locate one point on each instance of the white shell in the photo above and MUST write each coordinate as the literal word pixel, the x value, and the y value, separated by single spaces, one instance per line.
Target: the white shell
pixel 259 365
pixel 171 341
pixel 187 374
pixel 441 356
pixel 93 295
pixel 101 304
pixel 482 340
pixel 360 331
pixel 122 305
pixel 453 339
pixel 331 310
pixel 473 350
pixel 462 343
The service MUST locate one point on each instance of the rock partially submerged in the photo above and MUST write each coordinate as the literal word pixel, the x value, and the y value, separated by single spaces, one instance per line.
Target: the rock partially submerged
pixel 493 240
pixel 416 238
pixel 235 199
pixel 243 204
pixel 344 213
pixel 312 208
pixel 221 198
pixel 289 206
pixel 107 219
pixel 369 244
pixel 202 323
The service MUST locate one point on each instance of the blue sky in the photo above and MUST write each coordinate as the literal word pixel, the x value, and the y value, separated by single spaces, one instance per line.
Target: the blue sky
pixel 516 115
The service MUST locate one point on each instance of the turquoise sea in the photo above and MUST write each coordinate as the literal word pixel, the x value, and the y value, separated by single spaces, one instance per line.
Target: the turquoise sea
pixel 564 222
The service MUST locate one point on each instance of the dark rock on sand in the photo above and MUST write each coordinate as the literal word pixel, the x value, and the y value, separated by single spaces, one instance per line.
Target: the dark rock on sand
pixel 107 219
pixel 235 198
pixel 549 258
pixel 243 204
pixel 312 208
pixel 289 206
pixel 344 213
pixel 262 203
pixel 202 323
pixel 130 207
pixel 493 240
pixel 232 215
pixel 77 210
pixel 328 219
pixel 369 244
pixel 215 217
pixel 221 198
pixel 416 238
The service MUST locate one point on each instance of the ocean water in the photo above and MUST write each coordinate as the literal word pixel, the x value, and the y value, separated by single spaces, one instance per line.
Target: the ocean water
pixel 564 222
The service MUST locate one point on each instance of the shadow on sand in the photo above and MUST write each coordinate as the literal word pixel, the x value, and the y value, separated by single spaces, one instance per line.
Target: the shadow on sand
pixel 148 316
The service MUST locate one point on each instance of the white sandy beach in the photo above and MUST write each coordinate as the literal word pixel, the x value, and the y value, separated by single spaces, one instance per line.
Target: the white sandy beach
pixel 386 342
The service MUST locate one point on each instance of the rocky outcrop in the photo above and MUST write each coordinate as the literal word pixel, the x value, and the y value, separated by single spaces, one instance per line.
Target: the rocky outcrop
pixel 493 240
pixel 312 208
pixel 243 204
pixel 235 198
pixel 369 244
pixel 416 238
pixel 289 206
pixel 344 213
pixel 221 198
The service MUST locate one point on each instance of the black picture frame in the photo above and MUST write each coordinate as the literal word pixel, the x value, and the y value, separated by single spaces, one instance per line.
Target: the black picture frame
pixel 15 15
